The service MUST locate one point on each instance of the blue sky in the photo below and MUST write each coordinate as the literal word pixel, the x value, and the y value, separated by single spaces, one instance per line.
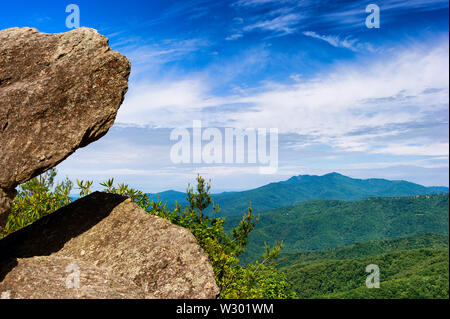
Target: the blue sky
pixel 362 102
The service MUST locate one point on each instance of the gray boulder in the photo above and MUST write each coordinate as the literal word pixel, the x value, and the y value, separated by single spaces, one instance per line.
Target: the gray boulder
pixel 58 92
pixel 105 231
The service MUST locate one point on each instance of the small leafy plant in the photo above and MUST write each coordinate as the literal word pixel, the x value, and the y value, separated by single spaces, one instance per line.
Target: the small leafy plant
pixel 36 199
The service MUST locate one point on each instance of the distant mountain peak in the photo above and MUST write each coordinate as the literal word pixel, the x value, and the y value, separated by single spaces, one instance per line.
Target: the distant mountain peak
pixel 294 178
pixel 332 174
pixel 331 186
pixel 300 177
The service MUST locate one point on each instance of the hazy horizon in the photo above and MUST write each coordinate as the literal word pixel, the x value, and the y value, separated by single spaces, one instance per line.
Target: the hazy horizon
pixel 215 190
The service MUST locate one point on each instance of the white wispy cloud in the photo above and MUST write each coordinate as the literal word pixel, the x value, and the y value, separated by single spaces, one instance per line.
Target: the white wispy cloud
pixel 161 52
pixel 435 149
pixel 414 4
pixel 283 24
pixel 279 19
pixel 165 104
pixel 338 42
pixel 326 15
pixel 234 36
pixel 253 3
pixel 355 107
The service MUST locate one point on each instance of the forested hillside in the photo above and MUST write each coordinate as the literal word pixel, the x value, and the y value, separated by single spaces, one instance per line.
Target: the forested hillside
pixel 366 249
pixel 419 273
pixel 322 224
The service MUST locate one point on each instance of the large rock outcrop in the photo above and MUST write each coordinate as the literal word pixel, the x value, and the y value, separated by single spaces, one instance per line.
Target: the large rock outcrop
pixel 121 252
pixel 58 92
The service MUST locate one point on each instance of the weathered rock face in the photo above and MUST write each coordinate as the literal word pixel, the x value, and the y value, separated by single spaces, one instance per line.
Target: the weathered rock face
pixel 58 92
pixel 111 239
pixel 54 278
pixel 6 198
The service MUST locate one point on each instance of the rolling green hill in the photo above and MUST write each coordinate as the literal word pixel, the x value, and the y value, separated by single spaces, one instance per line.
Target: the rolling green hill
pixel 419 273
pixel 365 249
pixel 306 187
pixel 322 224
